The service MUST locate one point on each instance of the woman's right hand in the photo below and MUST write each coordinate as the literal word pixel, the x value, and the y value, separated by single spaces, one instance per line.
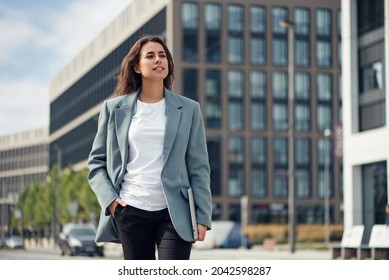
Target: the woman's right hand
pixel 114 204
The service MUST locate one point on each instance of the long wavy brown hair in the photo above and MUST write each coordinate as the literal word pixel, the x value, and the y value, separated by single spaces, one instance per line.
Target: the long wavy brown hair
pixel 128 80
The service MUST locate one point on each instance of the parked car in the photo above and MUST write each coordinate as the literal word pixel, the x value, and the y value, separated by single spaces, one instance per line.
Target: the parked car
pixel 79 239
pixel 224 234
pixel 14 242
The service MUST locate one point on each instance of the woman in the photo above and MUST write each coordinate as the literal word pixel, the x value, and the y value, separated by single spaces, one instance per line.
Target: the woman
pixel 149 149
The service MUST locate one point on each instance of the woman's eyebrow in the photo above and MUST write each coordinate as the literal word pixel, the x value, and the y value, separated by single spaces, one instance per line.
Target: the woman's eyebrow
pixel 151 52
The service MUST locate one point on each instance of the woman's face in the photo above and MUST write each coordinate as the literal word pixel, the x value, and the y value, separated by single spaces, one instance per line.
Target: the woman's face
pixel 153 63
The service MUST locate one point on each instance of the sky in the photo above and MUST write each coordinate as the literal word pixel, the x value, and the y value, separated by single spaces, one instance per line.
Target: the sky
pixel 38 38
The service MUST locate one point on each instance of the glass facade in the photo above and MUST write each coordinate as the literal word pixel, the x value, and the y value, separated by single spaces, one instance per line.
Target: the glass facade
pixel 324 38
pixel 324 101
pixel 303 168
pixel 370 15
pixel 235 79
pixel 236 156
pixel 190 79
pixel 235 41
pixel 258 88
pixel 190 25
pixel 280 101
pixel 280 36
pixel 280 173
pixel 302 30
pixel 213 116
pixel 233 59
pixel 258 167
pixel 302 101
pixel 257 35
pixel 213 22
pixel 371 59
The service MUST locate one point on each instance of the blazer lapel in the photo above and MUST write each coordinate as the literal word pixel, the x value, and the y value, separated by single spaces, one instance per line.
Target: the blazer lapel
pixel 173 117
pixel 123 117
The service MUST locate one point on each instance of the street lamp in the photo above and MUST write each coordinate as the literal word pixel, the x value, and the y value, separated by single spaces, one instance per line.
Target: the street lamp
pixel 291 191
pixel 327 134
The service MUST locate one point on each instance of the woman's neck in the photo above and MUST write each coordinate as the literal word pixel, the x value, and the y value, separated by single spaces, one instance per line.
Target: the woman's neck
pixel 151 93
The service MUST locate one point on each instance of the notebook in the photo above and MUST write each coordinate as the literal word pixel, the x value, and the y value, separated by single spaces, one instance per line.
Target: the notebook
pixel 192 209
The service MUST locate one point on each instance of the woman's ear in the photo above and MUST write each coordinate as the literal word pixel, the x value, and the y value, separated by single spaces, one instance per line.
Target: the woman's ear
pixel 136 69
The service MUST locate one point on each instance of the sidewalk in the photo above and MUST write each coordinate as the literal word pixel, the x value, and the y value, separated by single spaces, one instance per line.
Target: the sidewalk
pixel 114 251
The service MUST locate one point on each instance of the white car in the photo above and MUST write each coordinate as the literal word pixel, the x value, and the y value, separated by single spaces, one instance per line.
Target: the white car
pixel 14 242
pixel 224 234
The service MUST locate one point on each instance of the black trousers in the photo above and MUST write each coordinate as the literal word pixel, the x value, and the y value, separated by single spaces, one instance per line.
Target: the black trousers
pixel 141 231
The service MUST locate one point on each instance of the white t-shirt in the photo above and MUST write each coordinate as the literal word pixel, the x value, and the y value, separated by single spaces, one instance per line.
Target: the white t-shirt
pixel 142 186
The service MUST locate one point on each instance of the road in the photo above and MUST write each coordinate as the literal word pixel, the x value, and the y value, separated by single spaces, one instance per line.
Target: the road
pixel 215 254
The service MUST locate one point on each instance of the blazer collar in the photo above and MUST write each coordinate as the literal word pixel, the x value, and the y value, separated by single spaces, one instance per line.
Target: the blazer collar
pixel 129 100
pixel 126 109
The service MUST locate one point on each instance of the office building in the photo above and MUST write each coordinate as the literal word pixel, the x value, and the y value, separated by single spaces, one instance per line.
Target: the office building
pixel 23 161
pixel 365 121
pixel 232 57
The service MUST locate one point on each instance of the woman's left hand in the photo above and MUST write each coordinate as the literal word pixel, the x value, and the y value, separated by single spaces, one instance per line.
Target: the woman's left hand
pixel 202 231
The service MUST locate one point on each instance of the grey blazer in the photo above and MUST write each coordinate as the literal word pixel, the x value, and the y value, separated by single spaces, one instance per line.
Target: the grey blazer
pixel 185 162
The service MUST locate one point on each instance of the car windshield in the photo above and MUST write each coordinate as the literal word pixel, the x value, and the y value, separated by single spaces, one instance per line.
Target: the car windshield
pixel 82 231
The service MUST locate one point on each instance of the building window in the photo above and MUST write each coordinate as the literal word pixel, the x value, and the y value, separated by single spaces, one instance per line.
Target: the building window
pixel 213 32
pixel 258 50
pixel 217 213
pixel 371 77
pixel 236 167
pixel 258 167
pixel 257 34
pixel 302 101
pixel 340 95
pixel 280 51
pixel 280 36
pixel 235 87
pixel 302 37
pixel 323 38
pixel 234 213
pixel 339 13
pixel 375 192
pixel 215 160
pixel 280 175
pixel 190 82
pixel 372 100
pixel 280 101
pixel 258 100
pixel 303 165
pixel 325 177
pixel 370 15
pixel 324 101
pixel 235 34
pixel 212 95
pixel 190 25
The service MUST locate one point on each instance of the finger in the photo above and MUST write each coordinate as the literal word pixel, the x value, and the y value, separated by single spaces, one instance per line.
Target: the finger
pixel 121 202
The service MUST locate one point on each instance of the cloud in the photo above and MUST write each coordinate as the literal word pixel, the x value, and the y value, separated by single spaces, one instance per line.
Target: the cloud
pixel 24 105
pixel 17 33
pixel 39 41
pixel 79 24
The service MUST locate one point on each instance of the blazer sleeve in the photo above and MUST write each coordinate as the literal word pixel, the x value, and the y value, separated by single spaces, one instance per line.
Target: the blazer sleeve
pixel 199 170
pixel 97 163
